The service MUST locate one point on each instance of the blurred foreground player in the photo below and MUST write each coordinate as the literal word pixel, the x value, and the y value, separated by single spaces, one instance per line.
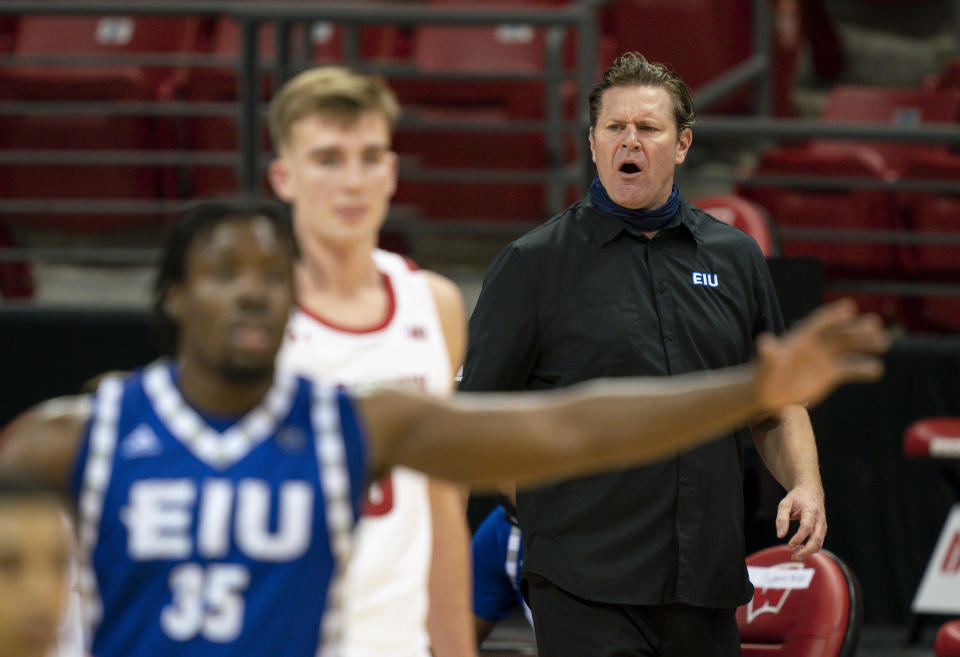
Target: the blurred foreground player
pixel 216 501
pixel 367 316
pixel 34 567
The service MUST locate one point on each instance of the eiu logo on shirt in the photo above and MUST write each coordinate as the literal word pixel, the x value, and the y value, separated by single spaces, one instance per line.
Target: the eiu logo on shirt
pixel 703 278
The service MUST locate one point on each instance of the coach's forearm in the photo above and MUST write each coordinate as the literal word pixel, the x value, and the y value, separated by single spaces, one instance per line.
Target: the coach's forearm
pixel 788 448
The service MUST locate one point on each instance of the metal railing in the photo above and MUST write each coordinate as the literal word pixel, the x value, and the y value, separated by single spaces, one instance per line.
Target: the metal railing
pixel 351 17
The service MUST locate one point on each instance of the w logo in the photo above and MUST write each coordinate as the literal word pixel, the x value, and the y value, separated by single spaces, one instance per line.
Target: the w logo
pixel 766 601
pixel 772 588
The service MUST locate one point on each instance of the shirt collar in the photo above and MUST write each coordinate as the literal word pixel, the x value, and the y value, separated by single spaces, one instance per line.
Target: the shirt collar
pixel 605 227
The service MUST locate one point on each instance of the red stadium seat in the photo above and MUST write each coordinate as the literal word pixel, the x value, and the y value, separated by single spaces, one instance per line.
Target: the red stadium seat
pixel 821 618
pixel 507 49
pixel 947 78
pixel 745 215
pixel 933 437
pixel 802 207
pixel 933 213
pixel 96 35
pixel 835 209
pixel 117 36
pixel 650 26
pixel 928 214
pixel 947 643
pixel 220 84
pixel 903 107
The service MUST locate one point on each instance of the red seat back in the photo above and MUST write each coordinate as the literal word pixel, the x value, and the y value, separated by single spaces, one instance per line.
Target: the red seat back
pixel 933 213
pixel 933 437
pixel 903 107
pixel 821 619
pixel 947 643
pixel 650 27
pixel 947 78
pixel 835 210
pixel 745 215
pixel 802 207
pixel 121 80
pixel 928 214
pixel 97 35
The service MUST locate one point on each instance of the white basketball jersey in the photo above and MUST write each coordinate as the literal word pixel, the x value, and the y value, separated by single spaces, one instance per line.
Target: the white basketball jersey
pixel 386 582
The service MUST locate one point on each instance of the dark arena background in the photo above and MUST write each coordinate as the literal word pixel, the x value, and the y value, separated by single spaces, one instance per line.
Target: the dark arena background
pixel 827 129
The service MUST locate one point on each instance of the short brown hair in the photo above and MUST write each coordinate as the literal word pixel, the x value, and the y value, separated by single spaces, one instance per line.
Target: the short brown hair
pixel 633 69
pixel 332 91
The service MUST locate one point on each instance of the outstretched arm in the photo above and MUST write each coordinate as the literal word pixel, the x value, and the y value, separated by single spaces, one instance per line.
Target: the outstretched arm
pixel 533 437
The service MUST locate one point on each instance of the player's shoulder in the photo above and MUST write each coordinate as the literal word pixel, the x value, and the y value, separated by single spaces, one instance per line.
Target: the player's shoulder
pixel 446 293
pixel 57 413
pixel 394 263
pixel 44 440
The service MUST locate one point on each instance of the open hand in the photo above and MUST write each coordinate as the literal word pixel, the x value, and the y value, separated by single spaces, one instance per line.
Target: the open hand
pixel 832 346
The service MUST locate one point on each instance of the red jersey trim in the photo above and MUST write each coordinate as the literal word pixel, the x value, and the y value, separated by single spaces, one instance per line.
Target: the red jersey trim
pixel 379 326
pixel 411 264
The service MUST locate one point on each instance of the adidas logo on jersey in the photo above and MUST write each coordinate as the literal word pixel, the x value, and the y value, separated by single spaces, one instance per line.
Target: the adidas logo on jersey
pixel 142 442
pixel 417 332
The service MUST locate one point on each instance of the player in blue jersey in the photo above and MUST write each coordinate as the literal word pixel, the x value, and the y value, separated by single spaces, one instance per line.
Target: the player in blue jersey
pixel 215 499
pixel 497 559
pixel 34 567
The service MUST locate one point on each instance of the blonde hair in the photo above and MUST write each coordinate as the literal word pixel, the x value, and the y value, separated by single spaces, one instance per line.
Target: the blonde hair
pixel 331 91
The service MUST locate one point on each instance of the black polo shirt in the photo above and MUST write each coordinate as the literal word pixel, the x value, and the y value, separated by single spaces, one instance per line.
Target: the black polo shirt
pixel 582 297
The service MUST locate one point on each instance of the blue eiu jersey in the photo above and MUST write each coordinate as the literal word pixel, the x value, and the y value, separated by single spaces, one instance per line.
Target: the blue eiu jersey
pixel 208 537
pixel 497 560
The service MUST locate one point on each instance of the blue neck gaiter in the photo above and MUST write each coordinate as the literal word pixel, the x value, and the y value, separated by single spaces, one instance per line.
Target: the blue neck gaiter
pixel 642 220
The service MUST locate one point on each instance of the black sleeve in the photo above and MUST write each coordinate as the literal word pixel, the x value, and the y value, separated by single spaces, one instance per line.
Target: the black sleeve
pixel 502 346
pixel 769 318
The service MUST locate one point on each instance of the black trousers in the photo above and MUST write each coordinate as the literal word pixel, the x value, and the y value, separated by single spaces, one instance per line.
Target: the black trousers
pixel 570 626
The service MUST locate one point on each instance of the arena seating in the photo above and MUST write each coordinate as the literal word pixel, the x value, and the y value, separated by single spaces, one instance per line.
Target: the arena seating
pixel 749 217
pixel 505 50
pixel 947 643
pixel 798 207
pixel 811 207
pixel 931 214
pixel 821 619
pixel 650 26
pixel 947 78
pixel 897 106
pixel 220 84
pixel 82 36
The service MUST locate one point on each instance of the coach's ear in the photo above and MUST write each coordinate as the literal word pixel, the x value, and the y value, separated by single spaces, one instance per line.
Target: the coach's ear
pixel 279 174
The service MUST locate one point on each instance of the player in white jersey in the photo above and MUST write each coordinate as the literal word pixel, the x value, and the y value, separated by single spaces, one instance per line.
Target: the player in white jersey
pixel 366 316
pixel 386 582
